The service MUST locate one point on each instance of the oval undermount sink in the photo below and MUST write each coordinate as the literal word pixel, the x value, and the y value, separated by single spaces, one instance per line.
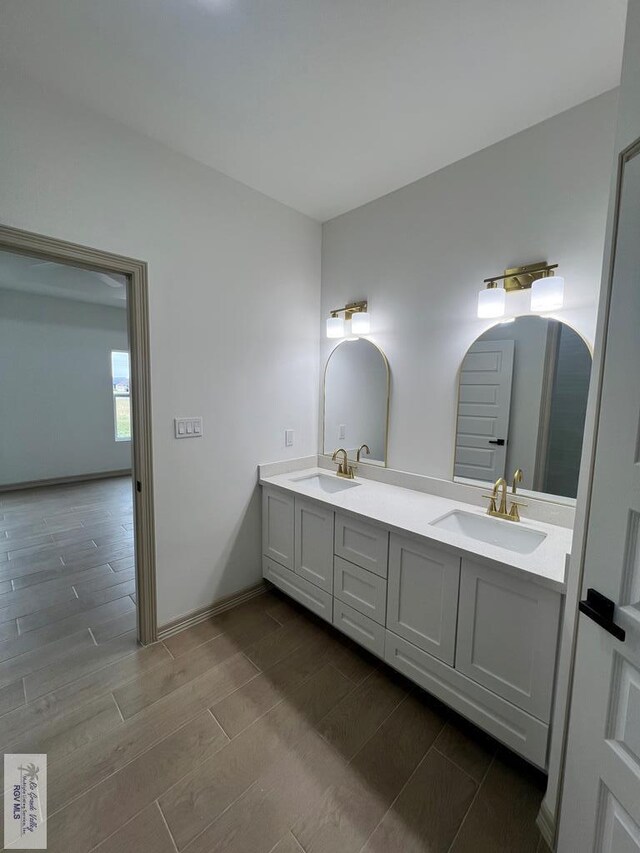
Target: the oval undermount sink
pixel 326 483
pixel 494 531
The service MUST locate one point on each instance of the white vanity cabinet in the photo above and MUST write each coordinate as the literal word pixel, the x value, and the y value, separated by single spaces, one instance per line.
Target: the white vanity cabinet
pixel 474 633
pixel 362 543
pixel 508 635
pixel 315 599
pixel 313 546
pixel 360 589
pixel 422 600
pixel 278 526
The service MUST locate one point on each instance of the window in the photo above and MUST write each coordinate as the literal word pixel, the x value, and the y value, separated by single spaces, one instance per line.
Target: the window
pixel 121 395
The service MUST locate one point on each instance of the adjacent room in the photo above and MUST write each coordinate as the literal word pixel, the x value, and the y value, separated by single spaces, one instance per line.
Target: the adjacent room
pixel 319 418
pixel 68 567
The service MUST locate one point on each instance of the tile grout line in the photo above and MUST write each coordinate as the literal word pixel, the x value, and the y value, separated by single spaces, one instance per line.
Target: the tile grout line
pixel 179 725
pixel 474 798
pixel 119 711
pixel 164 820
pixel 183 724
pixel 402 788
pixel 255 781
pixel 295 840
pixel 462 770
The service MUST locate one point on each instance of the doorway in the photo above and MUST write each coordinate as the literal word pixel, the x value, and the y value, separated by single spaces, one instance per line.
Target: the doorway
pixel 77 471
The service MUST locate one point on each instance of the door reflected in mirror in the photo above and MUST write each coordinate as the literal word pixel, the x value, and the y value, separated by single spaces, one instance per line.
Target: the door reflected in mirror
pixel 356 400
pixel 522 403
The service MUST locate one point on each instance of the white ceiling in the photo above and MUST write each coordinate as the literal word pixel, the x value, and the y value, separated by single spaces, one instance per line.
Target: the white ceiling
pixel 321 104
pixel 46 278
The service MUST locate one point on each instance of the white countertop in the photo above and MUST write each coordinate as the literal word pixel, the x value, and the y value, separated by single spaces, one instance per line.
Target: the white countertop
pixel 408 511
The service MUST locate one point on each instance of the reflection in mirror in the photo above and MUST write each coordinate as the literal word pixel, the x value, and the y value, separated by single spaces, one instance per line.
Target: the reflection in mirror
pixel 356 400
pixel 522 404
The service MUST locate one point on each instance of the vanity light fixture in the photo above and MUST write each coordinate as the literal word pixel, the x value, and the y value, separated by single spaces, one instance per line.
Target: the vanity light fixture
pixel 335 327
pixel 356 312
pixel 547 289
pixel 547 294
pixel 492 301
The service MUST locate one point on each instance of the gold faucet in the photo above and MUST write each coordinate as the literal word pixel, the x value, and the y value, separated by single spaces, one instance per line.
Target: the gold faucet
pixel 344 469
pixel 501 510
pixel 362 447
pixel 517 478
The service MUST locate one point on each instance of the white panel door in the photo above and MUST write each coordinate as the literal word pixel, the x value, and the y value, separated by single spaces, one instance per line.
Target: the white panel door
pixel 600 808
pixel 314 543
pixel 422 595
pixel 484 404
pixel 508 636
pixel 278 526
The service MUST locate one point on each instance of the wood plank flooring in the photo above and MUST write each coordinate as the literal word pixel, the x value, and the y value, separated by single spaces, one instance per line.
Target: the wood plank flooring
pixel 261 730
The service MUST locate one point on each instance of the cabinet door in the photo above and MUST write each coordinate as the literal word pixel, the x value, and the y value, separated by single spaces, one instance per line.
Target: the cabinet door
pixel 508 635
pixel 278 527
pixel 422 597
pixel 314 543
pixel 362 543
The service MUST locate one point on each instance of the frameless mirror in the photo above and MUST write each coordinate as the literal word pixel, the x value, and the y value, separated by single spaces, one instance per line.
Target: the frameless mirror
pixel 522 403
pixel 356 400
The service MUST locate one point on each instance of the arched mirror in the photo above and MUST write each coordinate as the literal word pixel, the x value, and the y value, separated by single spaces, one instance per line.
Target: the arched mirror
pixel 522 403
pixel 356 400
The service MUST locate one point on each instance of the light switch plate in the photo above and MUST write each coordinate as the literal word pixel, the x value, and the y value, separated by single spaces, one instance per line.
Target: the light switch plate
pixel 342 431
pixel 188 427
pixel 288 438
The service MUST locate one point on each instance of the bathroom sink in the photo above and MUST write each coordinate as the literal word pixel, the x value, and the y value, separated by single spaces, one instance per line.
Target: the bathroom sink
pixel 326 483
pixel 494 531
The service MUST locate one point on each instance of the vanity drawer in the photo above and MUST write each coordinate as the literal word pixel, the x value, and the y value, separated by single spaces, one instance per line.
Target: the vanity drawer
pixel 315 599
pixel 508 636
pixel 360 589
pixel 366 545
pixel 360 628
pixel 510 725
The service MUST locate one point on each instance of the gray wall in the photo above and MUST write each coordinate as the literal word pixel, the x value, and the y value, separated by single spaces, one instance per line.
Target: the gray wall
pixel 420 254
pixel 56 400
pixel 234 286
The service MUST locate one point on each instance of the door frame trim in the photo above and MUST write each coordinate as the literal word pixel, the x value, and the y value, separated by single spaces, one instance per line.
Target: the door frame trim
pixel 73 254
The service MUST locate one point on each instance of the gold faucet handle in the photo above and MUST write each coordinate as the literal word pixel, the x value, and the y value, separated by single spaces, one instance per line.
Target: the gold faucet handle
pixel 514 511
pixel 492 503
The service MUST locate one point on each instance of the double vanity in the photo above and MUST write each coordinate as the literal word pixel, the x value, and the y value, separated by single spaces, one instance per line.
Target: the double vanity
pixel 446 581
pixel 465 605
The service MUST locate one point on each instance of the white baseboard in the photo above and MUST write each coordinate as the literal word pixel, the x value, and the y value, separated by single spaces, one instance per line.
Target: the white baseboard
pixel 204 613
pixel 547 825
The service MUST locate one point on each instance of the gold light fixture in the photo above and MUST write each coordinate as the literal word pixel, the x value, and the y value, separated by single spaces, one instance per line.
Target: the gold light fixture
pixel 356 312
pixel 547 289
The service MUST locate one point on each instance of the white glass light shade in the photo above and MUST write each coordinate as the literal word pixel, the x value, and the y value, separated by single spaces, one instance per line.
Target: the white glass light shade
pixel 547 294
pixel 492 302
pixel 360 323
pixel 335 327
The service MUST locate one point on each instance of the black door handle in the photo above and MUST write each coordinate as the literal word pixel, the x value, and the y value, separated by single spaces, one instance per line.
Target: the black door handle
pixel 600 608
pixel 498 441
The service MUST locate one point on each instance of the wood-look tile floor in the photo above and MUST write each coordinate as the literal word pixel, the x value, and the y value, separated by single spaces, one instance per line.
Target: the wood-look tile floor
pixel 262 730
